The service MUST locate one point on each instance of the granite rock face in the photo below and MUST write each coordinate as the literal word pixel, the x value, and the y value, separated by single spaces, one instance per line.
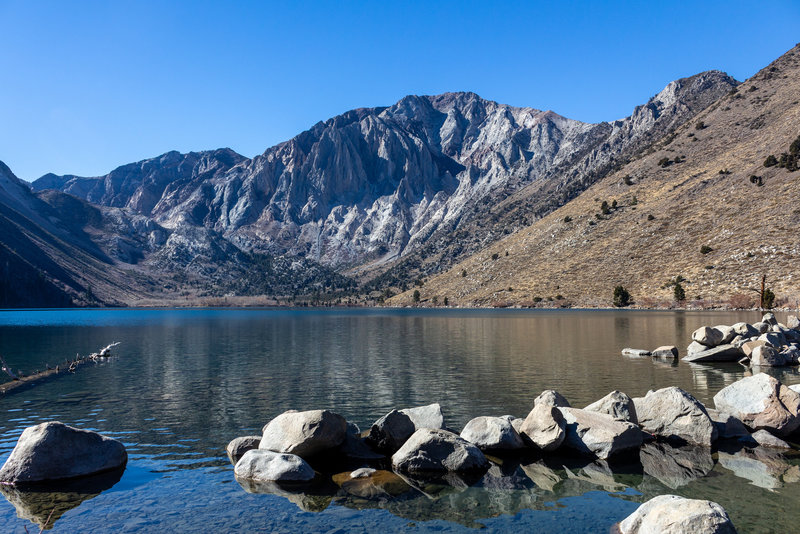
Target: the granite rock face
pixel 616 404
pixel 55 451
pixel 492 434
pixel 596 434
pixel 238 446
pixel 544 427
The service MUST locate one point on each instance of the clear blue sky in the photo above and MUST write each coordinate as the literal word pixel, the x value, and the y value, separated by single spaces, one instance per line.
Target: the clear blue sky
pixel 87 86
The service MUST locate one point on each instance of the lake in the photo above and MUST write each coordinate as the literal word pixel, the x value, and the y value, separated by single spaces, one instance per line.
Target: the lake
pixel 183 383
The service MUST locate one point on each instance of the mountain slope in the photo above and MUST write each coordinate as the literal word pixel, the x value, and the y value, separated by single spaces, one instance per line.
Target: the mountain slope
pixel 366 188
pixel 692 189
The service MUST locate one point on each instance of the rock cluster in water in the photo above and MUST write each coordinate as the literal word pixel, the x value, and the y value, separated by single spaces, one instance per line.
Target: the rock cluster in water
pixel 408 445
pixel 766 343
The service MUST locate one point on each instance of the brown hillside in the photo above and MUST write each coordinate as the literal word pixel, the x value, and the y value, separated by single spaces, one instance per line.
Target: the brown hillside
pixel 665 214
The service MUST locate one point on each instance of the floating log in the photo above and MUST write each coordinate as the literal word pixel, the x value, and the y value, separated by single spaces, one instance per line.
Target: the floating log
pixel 21 382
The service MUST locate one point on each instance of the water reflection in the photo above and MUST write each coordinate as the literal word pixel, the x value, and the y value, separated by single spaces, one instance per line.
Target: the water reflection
pixel 43 505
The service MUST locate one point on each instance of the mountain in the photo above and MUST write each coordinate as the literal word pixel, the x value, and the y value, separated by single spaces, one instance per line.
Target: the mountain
pixel 704 205
pixel 371 187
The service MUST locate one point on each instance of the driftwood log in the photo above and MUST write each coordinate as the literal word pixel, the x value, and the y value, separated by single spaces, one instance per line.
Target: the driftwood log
pixel 19 381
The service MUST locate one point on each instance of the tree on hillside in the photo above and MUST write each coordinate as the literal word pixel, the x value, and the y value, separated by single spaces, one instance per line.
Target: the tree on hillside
pixel 621 297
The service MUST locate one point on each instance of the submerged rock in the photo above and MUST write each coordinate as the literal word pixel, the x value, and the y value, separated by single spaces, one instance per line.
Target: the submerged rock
pixel 666 351
pixel 672 413
pixel 671 514
pixel 430 450
pixel 304 433
pixel 761 402
pixel 636 352
pixel 55 451
pixel 492 434
pixel 616 404
pixel 599 435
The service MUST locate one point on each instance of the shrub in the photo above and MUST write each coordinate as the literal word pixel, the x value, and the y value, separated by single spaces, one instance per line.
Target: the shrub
pixel 537 299
pixel 771 161
pixel 446 301
pixel 634 201
pixel 416 295
pixel 628 180
pixel 650 217
pixel 700 125
pixel 768 300
pixel 664 162
pixel 756 180
pixel 678 292
pixel 495 256
pixel 621 297
pixel 418 282
pixel 613 204
pixel 604 209
pixel 463 273
pixel 506 253
pixel 567 219
pixel 705 249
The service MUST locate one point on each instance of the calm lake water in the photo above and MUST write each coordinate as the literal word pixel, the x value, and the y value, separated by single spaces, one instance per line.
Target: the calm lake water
pixel 184 383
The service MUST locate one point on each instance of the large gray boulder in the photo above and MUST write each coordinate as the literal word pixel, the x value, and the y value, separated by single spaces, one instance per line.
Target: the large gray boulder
pixel 793 322
pixel 597 434
pixel 776 339
pixel 672 413
pixel 429 416
pixel 431 450
pixel 388 433
pixel 616 404
pixel 671 514
pixel 695 347
pixel 238 446
pixel 745 330
pixel 708 336
pixel 728 333
pixel 767 356
pixel 665 351
pixel 492 434
pixel 544 427
pixel 551 397
pixel 304 433
pixel 748 346
pixel 765 439
pixel 728 426
pixel 55 451
pixel 769 318
pixel 762 327
pixel 761 402
pixel 720 353
pixel 263 465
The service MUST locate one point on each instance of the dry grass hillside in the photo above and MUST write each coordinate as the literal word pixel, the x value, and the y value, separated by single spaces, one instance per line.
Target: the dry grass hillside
pixel 692 190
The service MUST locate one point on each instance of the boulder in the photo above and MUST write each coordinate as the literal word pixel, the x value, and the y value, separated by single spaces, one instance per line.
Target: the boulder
pixel 304 433
pixel 795 388
pixel 388 433
pixel 747 348
pixel 708 336
pixel 616 404
pixel 597 434
pixel 550 397
pixel 239 446
pixel 544 427
pixel 674 414
pixel 55 451
pixel 695 347
pixel 721 353
pixel 671 514
pixel 762 327
pixel 769 318
pixel 767 356
pixel 263 465
pixel 761 402
pixel 492 434
pixel 635 352
pixel 354 446
pixel 372 484
pixel 728 426
pixel 765 439
pixel 431 450
pixel 793 322
pixel 429 416
pixel 776 339
pixel 666 351
pixel 745 330
pixel 728 333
